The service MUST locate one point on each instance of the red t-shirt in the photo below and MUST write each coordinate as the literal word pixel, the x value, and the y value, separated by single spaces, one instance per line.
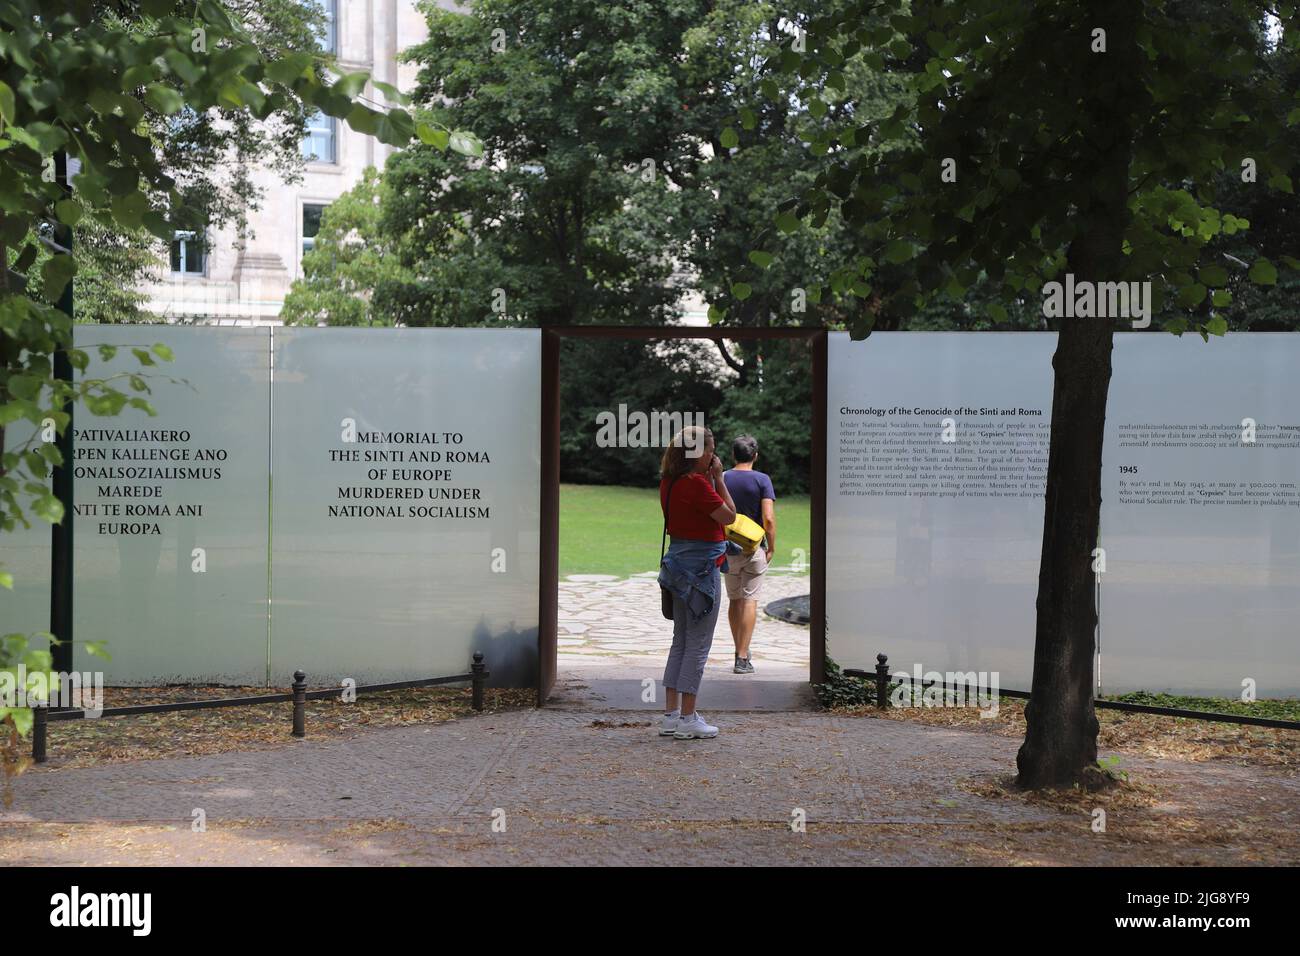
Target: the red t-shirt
pixel 693 501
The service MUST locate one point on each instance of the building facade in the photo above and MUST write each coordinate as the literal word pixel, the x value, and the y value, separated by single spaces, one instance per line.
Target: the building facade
pixel 217 278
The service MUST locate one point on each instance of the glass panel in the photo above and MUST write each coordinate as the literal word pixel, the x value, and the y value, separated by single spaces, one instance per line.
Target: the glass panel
pixel 318 144
pixel 328 38
pixel 388 560
pixel 1201 528
pixel 311 214
pixel 149 492
pixel 932 547
pixel 311 219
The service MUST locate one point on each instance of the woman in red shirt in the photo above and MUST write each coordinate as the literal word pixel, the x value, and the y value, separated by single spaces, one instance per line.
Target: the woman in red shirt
pixel 697 507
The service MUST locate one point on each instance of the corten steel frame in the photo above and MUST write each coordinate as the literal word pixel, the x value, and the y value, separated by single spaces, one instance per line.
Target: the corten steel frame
pixel 548 605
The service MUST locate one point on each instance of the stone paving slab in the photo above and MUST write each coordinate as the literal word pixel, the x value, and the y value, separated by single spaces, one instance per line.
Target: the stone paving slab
pixel 619 622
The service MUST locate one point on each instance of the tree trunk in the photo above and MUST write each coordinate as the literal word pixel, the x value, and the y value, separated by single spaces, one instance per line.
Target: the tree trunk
pixel 1061 737
pixel 1060 745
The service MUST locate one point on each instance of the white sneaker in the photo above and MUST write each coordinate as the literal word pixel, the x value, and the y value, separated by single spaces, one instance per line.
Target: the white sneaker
pixel 668 723
pixel 693 727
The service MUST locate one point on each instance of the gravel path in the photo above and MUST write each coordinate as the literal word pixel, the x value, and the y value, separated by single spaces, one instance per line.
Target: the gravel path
pixel 565 786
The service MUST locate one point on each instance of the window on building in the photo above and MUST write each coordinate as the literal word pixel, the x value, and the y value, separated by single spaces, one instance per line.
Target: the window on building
pixel 311 213
pixel 328 37
pixel 189 256
pixel 318 144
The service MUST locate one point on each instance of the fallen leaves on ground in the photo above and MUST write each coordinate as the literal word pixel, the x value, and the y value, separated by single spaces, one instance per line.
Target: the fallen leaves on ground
pixel 84 743
pixel 1146 735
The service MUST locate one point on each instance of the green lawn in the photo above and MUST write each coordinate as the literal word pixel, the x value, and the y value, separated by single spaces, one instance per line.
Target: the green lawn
pixel 606 529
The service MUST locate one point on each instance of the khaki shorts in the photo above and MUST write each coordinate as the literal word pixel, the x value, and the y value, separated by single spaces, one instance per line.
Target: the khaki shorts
pixel 745 575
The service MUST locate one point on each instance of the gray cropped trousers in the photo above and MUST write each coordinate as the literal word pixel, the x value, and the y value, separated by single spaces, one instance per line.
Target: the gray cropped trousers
pixel 692 640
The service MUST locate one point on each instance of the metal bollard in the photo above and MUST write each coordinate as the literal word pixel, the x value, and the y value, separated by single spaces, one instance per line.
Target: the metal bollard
pixel 882 681
pixel 479 676
pixel 299 704
pixel 40 727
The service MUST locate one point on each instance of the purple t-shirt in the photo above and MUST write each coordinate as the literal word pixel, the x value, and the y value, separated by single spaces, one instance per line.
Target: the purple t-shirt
pixel 748 489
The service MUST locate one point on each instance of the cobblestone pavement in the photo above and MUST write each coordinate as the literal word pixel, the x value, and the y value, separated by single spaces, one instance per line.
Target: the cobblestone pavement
pixel 609 624
pixel 600 786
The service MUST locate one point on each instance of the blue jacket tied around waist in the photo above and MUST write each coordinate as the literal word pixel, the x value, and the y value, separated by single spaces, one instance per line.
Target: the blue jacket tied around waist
pixel 687 571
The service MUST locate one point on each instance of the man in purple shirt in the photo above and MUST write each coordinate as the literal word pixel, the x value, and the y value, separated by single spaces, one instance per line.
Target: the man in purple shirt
pixel 752 492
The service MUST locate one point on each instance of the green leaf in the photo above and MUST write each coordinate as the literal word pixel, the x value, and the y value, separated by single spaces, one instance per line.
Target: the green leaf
pixel 137 75
pixel 1221 298
pixel 129 210
pixel 49 508
pixel 363 119
pixel 286 69
pixel 22 718
pixel 6 580
pixel 395 128
pixel 393 93
pixel 730 138
pixel 741 290
pixel 1263 272
pixel 1281 182
pixel 56 274
pixel 8 108
pixel 26 385
pixel 716 315
pixel 1217 325
pixel 998 311
pixel 761 259
pixel 787 222
pixel 747 118
pixel 1216 277
pixel 466 143
pixel 896 251
pixel 183 66
pixel 68 211
pixel 432 136
pixel 215 14
pixel 163 99
pixel 164 352
pixel 1191 296
pixel 900 48
pixel 350 84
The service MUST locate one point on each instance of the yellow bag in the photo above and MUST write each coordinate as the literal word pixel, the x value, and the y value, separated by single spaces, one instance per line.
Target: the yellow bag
pixel 745 532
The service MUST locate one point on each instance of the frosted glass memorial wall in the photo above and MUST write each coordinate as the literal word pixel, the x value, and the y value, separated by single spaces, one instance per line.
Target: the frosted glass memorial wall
pixel 406 473
pixel 1200 515
pixel 392 553
pixel 933 546
pixel 171 514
